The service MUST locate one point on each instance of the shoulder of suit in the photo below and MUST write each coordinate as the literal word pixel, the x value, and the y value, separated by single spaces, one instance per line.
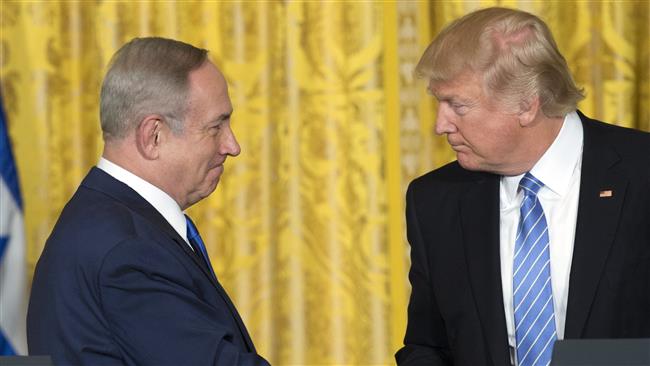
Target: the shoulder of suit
pixel 94 222
pixel 613 133
pixel 631 144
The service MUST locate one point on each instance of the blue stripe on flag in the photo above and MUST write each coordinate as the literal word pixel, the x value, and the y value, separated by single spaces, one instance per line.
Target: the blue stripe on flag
pixel 7 165
pixel 5 346
pixel 12 261
pixel 3 243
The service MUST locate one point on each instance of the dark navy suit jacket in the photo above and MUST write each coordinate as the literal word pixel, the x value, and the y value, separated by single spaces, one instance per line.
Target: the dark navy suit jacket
pixel 456 312
pixel 116 285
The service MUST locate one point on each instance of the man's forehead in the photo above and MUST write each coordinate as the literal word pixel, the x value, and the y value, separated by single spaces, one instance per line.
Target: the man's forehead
pixel 446 90
pixel 460 86
pixel 437 88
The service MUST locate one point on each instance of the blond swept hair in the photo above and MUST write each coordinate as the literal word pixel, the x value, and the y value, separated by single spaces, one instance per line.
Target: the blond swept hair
pixel 513 51
pixel 147 76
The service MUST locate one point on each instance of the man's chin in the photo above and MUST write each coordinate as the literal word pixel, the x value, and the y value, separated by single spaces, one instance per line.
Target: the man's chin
pixel 201 194
pixel 466 162
pixel 212 178
pixel 212 186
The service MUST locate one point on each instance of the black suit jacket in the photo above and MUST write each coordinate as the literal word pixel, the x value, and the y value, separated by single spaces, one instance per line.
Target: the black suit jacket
pixel 116 285
pixel 456 312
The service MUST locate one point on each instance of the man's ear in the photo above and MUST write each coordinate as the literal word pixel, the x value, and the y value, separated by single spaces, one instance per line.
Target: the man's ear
pixel 528 109
pixel 148 136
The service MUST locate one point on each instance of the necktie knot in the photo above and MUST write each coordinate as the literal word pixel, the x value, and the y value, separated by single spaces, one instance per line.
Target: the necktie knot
pixel 530 185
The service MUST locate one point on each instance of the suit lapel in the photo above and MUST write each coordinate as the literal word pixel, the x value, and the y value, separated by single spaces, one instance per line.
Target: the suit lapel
pixel 233 311
pixel 99 180
pixel 602 192
pixel 479 210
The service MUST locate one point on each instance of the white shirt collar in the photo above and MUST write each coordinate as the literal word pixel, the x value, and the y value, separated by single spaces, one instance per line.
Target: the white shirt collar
pixel 160 200
pixel 555 168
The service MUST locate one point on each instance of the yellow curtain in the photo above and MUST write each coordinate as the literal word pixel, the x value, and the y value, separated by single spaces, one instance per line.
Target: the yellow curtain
pixel 306 229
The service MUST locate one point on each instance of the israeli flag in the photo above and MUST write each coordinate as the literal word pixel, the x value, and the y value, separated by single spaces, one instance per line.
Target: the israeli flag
pixel 13 281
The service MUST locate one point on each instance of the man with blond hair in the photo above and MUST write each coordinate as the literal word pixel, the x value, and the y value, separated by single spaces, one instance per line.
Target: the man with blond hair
pixel 541 229
pixel 124 278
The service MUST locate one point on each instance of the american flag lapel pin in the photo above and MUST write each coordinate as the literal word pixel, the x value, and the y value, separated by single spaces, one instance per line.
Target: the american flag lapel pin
pixel 606 193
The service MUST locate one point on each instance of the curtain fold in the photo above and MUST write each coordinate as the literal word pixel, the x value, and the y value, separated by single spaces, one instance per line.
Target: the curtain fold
pixel 306 229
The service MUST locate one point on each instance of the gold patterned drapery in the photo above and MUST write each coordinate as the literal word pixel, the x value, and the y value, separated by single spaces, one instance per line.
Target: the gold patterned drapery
pixel 306 229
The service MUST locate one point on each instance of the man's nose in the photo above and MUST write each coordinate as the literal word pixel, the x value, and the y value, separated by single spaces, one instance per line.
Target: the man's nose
pixel 230 146
pixel 444 122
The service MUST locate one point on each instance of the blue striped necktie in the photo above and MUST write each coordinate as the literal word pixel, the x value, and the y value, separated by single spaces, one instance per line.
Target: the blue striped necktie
pixel 532 292
pixel 197 243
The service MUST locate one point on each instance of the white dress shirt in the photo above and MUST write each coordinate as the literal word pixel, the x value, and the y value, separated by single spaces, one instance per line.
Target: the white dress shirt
pixel 161 201
pixel 559 169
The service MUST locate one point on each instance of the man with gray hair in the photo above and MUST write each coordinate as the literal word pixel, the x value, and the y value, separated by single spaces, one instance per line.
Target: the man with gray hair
pixel 541 229
pixel 125 278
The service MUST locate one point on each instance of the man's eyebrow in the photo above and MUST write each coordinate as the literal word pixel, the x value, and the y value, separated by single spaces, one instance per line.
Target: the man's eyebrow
pixel 444 97
pixel 224 116
pixel 453 98
pixel 440 96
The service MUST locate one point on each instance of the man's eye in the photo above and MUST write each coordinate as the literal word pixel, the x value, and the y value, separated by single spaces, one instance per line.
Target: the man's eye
pixel 459 108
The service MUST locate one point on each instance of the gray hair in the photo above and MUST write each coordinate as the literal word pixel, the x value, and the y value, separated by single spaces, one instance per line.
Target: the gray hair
pixel 147 76
pixel 512 50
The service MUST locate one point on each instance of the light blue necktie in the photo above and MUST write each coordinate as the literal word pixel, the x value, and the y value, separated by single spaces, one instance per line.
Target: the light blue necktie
pixel 197 243
pixel 532 292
